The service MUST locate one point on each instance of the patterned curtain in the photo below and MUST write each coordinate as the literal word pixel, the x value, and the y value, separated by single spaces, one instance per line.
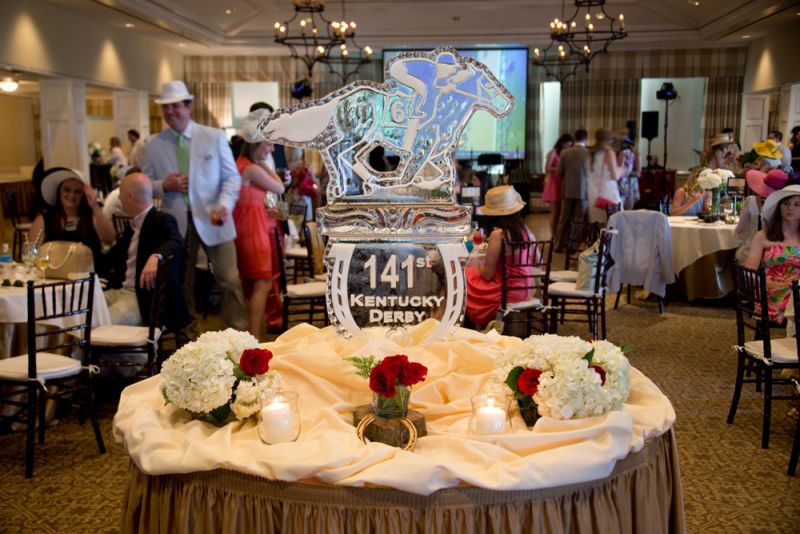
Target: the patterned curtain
pixel 594 104
pixel 533 133
pixel 212 103
pixel 722 105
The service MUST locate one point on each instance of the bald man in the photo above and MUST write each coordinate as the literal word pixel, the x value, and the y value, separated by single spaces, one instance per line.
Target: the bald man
pixel 152 235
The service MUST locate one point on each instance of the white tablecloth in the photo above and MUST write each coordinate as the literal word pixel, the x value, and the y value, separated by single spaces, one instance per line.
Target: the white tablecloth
pixel 14 305
pixel 162 439
pixel 692 239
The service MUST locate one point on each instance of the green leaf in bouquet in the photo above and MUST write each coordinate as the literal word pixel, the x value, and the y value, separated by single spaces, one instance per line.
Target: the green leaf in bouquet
pixel 589 355
pixel 627 347
pixel 513 376
pixel 363 365
pixel 239 374
pixel 221 414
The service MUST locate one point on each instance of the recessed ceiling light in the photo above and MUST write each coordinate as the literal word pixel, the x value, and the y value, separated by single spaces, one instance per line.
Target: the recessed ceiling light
pixel 746 36
pixel 694 2
pixel 181 44
pixel 129 25
pixel 229 11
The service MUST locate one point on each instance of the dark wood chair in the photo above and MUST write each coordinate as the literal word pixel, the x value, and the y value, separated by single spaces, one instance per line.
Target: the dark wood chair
pixel 59 325
pixel 584 305
pixel 301 302
pixel 796 441
pixel 525 266
pixel 581 234
pixel 758 351
pixel 121 223
pixel 21 228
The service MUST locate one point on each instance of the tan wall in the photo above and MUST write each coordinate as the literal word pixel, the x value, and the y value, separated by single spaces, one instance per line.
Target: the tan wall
pixel 17 132
pixel 42 37
pixel 772 61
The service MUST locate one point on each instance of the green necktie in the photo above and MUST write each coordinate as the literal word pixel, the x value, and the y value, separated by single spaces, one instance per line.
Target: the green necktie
pixel 182 155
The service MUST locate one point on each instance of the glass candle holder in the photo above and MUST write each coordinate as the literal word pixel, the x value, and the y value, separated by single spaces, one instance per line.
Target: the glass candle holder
pixel 489 414
pixel 279 419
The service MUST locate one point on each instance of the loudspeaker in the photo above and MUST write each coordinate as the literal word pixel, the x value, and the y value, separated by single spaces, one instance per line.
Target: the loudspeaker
pixel 650 125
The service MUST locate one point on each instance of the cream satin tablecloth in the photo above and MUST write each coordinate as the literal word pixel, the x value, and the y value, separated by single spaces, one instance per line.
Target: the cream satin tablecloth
pixel 162 439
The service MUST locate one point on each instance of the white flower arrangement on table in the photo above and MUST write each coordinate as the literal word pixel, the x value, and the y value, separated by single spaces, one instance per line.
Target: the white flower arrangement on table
pixel 713 178
pixel 219 375
pixel 566 377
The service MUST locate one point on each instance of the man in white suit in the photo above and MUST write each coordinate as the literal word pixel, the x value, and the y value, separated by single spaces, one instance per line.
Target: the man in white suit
pixel 193 171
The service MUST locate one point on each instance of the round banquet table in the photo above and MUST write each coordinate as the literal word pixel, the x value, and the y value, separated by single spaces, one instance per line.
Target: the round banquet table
pixel 612 473
pixel 702 255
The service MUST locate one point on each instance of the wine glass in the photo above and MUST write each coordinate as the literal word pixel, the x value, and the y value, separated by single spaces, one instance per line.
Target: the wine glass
pixel 29 253
pixel 43 261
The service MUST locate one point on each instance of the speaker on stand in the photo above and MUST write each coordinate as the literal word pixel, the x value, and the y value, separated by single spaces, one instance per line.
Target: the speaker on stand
pixel 649 132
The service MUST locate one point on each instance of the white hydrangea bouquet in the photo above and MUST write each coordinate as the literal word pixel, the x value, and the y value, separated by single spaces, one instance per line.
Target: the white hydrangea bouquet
pixel 219 376
pixel 565 377
pixel 710 179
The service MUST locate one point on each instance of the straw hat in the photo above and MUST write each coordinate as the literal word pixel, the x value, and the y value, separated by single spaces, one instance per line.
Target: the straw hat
pixel 174 91
pixel 502 200
pixel 720 140
pixel 764 184
pixel 774 199
pixel 53 178
pixel 768 149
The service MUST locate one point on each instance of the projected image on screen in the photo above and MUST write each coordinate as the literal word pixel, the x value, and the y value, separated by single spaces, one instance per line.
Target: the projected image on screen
pixel 484 133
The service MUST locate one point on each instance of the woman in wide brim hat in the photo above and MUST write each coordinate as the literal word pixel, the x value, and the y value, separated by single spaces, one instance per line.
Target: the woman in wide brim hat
pixel 503 212
pixel 722 151
pixel 776 248
pixel 74 213
pixel 762 184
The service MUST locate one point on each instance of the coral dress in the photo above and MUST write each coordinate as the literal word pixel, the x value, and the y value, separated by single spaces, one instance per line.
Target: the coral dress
pixel 484 297
pixel 552 184
pixel 253 239
pixel 781 264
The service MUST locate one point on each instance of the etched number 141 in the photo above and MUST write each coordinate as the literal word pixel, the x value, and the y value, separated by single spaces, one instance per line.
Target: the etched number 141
pixel 390 274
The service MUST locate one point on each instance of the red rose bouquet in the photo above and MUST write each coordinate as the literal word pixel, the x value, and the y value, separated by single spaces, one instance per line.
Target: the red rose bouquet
pixel 390 380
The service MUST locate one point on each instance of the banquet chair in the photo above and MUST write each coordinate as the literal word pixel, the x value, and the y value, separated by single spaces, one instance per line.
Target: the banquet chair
pixel 316 251
pixel 55 310
pixel 581 234
pixel 761 353
pixel 116 346
pixel 298 262
pixel 301 302
pixel 121 223
pixel 574 303
pixel 611 209
pixel 525 267
pixel 21 229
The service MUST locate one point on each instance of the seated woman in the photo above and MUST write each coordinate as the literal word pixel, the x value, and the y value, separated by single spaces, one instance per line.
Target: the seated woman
pixel 762 185
pixel 777 248
pixel 502 211
pixel 74 215
pixel 255 230
pixel 688 200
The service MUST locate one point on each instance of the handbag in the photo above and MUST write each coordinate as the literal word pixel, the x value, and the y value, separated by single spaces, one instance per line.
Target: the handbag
pixel 587 268
pixel 66 258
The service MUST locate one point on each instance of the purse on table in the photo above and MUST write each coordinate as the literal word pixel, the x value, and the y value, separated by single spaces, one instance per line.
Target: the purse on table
pixel 67 258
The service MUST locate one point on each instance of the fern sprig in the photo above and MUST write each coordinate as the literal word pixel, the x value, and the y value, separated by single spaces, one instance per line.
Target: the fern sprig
pixel 363 365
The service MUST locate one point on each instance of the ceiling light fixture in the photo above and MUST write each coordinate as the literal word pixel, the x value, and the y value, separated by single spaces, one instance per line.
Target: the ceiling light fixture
pixel 9 84
pixel 747 36
pixel 128 25
pixel 314 36
pixel 345 59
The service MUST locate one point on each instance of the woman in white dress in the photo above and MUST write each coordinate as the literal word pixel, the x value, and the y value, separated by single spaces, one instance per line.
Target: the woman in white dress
pixel 604 175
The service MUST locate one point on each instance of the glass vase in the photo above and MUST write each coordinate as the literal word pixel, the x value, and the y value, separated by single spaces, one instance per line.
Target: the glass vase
pixel 279 419
pixel 396 406
pixel 489 414
pixel 529 411
pixel 715 201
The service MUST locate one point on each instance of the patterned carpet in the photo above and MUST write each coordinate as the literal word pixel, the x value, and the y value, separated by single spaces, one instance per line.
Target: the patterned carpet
pixel 730 483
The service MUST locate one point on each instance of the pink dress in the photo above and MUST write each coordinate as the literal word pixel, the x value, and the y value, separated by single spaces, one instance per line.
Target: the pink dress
pixel 253 239
pixel 781 264
pixel 552 184
pixel 485 296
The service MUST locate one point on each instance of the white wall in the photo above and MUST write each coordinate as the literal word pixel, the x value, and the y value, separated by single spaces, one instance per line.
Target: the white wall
pixel 772 61
pixel 16 131
pixel 685 128
pixel 550 113
pixel 101 129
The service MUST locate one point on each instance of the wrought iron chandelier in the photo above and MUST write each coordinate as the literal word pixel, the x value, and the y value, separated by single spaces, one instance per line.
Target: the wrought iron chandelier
pixel 345 59
pixel 579 38
pixel 314 36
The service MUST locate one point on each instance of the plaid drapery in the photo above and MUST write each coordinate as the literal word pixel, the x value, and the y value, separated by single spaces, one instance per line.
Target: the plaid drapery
pixel 594 104
pixel 722 105
pixel 533 133
pixel 212 103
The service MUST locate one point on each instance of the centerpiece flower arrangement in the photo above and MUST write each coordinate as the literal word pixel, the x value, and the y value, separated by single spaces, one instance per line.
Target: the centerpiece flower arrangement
pixel 565 377
pixel 714 180
pixel 219 376
pixel 390 380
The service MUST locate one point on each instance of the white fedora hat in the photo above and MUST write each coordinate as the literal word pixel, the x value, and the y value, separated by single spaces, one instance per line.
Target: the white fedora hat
pixel 774 199
pixel 53 178
pixel 174 91
pixel 502 200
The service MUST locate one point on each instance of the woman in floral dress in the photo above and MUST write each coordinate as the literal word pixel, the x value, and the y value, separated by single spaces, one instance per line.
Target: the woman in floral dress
pixel 777 248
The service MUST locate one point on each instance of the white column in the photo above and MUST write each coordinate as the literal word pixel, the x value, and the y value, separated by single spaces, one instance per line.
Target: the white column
pixel 130 113
pixel 63 120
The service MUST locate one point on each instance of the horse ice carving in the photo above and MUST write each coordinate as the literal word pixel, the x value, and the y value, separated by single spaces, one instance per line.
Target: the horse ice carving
pixel 418 113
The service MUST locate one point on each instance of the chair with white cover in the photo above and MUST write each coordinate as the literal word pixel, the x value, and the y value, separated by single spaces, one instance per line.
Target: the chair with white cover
pixel 758 351
pixel 574 303
pixel 301 302
pixel 55 312
pixel 642 252
pixel 316 251
pixel 525 266
pixel 581 235
pixel 117 346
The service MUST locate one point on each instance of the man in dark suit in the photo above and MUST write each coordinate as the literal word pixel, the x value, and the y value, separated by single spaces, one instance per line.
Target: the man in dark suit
pixel 152 235
pixel 573 167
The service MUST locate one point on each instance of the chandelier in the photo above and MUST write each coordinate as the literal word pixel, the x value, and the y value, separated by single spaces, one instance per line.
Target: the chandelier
pixel 345 59
pixel 579 38
pixel 309 35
